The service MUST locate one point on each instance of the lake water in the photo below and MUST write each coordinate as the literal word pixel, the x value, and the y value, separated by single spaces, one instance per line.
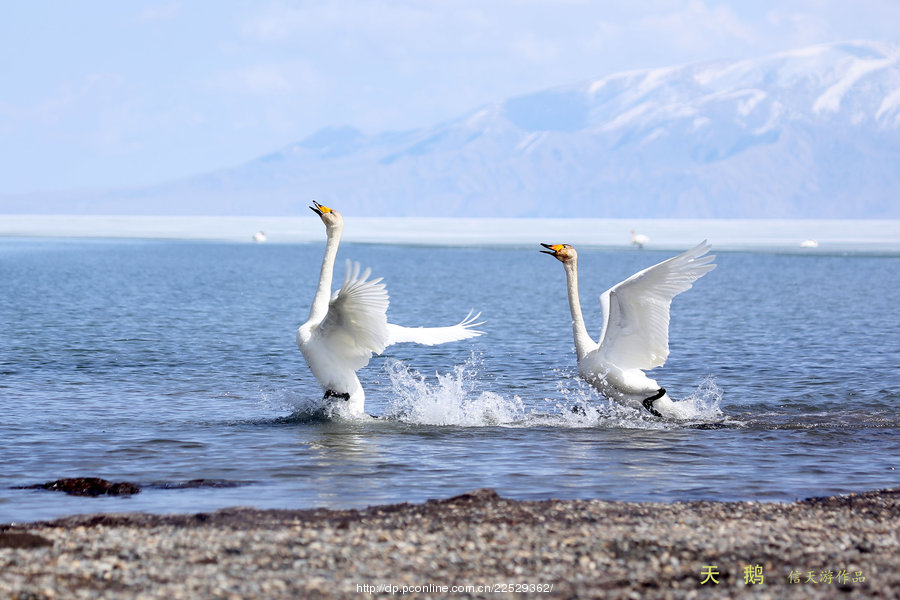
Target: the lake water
pixel 165 361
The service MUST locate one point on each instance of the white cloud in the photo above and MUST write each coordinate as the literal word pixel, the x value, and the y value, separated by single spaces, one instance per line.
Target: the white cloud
pixel 164 12
pixel 269 79
pixel 798 28
pixel 280 23
pixel 71 98
pixel 695 26
pixel 258 79
pixel 534 48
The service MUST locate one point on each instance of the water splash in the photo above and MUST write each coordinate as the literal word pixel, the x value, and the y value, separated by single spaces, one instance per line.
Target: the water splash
pixel 459 398
pixel 455 398
pixel 702 405
pixel 452 400
pixel 580 405
pixel 297 407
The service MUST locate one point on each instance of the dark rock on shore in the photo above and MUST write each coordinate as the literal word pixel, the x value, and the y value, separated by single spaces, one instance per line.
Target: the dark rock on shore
pixel 88 486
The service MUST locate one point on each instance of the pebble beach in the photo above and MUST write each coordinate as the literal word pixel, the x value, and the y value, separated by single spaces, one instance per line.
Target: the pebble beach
pixel 476 545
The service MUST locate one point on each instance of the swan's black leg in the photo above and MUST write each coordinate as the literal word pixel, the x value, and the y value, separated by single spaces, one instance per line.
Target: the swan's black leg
pixel 334 394
pixel 648 402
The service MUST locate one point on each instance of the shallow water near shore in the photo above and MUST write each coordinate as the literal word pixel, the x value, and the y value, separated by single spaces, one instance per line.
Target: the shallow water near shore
pixel 163 361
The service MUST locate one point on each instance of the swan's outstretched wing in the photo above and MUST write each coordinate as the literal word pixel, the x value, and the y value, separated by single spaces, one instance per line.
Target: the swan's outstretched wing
pixel 356 324
pixel 635 331
pixel 430 336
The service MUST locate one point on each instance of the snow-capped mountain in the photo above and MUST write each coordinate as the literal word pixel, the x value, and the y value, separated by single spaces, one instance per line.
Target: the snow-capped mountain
pixel 809 133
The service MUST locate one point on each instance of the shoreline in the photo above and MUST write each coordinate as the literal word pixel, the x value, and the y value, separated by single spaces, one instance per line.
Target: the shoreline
pixel 839 546
pixel 775 234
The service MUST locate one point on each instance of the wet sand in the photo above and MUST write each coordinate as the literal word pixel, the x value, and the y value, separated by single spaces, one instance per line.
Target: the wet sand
pixel 477 545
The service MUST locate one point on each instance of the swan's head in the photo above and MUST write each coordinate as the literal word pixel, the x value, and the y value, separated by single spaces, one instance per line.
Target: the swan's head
pixel 331 218
pixel 562 252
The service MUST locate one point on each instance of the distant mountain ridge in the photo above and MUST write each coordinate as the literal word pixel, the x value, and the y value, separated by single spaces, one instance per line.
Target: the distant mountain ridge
pixel 811 133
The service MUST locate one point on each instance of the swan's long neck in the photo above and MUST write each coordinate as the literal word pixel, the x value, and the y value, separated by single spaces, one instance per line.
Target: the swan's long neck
pixel 319 307
pixel 583 341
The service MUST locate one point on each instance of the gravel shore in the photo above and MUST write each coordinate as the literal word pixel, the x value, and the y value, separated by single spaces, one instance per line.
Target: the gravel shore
pixel 838 547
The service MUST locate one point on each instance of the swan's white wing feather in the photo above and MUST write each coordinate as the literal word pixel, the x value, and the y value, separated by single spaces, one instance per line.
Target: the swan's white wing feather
pixel 356 324
pixel 635 331
pixel 430 336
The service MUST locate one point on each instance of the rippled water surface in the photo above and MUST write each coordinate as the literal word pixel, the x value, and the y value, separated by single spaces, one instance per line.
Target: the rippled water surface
pixel 161 362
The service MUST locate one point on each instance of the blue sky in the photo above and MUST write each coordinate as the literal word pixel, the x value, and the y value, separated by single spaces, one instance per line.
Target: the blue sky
pixel 102 94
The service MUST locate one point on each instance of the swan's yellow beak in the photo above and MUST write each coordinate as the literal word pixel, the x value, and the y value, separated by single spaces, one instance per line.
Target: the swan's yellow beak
pixel 555 247
pixel 319 209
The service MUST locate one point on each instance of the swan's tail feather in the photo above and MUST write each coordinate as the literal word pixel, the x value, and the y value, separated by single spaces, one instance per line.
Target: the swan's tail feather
pixel 470 321
pixel 431 336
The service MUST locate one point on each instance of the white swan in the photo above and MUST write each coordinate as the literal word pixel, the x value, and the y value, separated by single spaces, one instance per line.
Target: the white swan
pixel 639 239
pixel 635 331
pixel 345 329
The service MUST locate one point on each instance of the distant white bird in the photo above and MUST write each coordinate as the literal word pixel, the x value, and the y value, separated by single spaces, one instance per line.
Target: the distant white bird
pixel 635 332
pixel 346 328
pixel 639 239
pixel 259 236
pixel 809 244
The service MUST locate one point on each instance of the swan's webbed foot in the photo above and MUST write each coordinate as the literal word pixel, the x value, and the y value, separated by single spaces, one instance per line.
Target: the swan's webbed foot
pixel 648 402
pixel 339 395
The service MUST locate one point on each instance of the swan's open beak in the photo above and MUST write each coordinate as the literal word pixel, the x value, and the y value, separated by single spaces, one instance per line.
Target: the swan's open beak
pixel 555 247
pixel 319 209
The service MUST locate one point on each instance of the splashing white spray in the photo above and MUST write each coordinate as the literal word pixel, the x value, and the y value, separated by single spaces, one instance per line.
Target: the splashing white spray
pixel 302 408
pixel 701 405
pixel 453 400
pixel 580 405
